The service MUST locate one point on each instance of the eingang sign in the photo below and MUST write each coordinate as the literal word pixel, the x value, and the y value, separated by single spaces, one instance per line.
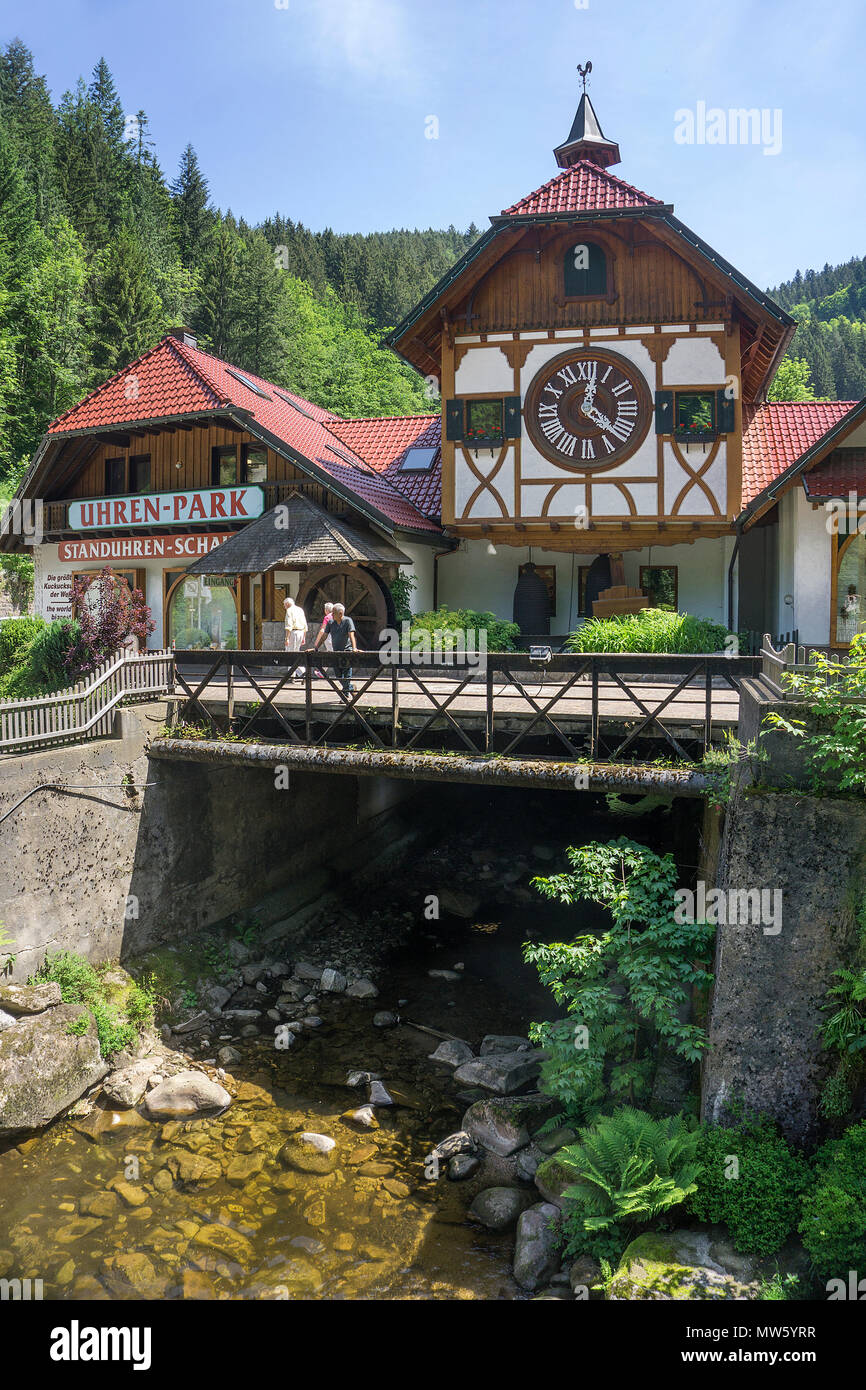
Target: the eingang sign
pixel 167 508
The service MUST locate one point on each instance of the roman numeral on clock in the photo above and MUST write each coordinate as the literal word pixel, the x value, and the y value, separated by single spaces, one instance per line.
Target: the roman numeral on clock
pixel 587 449
pixel 623 386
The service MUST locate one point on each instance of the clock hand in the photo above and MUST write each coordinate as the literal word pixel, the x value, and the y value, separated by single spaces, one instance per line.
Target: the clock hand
pixel 598 419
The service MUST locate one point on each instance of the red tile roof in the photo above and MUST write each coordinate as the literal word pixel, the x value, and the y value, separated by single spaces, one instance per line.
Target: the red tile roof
pixel 776 434
pixel 383 443
pixel 175 379
pixel 839 473
pixel 584 187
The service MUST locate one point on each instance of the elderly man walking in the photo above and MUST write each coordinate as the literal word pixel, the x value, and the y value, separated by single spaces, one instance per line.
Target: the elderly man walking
pixel 296 629
pixel 341 631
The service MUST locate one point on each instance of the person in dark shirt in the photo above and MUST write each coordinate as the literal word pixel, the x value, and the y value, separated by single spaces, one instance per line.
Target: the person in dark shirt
pixel 341 631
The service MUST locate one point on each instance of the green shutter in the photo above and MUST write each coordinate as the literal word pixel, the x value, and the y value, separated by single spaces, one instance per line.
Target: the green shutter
pixel 664 412
pixel 512 417
pixel 725 412
pixel 454 419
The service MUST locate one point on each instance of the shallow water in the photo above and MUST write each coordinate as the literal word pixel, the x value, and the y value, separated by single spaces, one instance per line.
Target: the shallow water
pixel 118 1214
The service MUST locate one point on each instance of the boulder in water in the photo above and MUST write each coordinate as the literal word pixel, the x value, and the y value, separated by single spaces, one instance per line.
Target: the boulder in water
pixel 188 1093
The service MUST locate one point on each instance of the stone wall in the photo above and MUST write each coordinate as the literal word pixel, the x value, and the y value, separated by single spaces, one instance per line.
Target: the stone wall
pixel 109 872
pixel 769 988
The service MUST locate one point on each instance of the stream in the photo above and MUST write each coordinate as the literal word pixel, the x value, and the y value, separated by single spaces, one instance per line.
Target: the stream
pixel 110 1204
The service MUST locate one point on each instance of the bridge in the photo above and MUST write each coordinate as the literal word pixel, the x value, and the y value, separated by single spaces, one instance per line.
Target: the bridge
pixel 603 708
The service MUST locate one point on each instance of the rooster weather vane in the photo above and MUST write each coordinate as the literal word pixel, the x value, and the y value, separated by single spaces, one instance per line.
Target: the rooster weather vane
pixel 584 71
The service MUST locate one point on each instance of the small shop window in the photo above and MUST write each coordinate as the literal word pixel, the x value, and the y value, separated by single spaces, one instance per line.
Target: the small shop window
pixel 224 466
pixel 139 473
pixel 115 477
pixel 255 463
pixel 203 612
pixel 585 271
pixel 660 584
pixel 695 413
pixel 488 419
pixel 484 419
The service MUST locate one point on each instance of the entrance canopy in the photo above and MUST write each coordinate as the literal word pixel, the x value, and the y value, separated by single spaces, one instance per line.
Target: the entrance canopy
pixel 296 534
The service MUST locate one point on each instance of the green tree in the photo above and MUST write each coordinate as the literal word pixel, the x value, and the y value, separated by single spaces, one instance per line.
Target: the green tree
pixel 191 201
pixel 128 315
pixel 792 381
pixel 624 988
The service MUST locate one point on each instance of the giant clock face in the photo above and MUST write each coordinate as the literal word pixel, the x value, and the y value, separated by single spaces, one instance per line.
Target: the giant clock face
pixel 587 409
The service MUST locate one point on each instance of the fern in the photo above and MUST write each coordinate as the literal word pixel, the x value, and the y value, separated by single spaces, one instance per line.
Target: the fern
pixel 629 1168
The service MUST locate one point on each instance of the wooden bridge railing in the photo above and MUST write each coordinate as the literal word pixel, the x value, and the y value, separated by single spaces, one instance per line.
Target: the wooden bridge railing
pixel 541 691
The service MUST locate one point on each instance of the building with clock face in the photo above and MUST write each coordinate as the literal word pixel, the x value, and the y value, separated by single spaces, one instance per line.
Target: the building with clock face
pixel 603 374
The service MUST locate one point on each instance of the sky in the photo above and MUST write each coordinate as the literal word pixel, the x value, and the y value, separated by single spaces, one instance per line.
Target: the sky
pixel 362 115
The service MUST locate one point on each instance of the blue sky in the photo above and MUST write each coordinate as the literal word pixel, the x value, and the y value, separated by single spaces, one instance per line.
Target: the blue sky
pixel 319 108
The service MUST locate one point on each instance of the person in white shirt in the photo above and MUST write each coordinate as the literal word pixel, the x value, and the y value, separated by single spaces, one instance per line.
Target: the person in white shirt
pixel 296 629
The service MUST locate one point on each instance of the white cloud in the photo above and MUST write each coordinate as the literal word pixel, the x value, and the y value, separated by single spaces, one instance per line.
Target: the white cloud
pixel 369 38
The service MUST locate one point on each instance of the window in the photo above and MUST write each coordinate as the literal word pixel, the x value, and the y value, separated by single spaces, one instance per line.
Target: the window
pixel 850 612
pixel 585 271
pixel 139 472
pixel 115 477
pixel 695 413
pixel 250 385
pixel 490 419
pixel 202 611
pixel 255 463
pixel 294 404
pixel 660 584
pixel 224 467
pixel 418 460
pixel 483 420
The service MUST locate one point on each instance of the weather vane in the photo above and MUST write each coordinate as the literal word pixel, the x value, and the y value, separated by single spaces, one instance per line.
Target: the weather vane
pixel 585 71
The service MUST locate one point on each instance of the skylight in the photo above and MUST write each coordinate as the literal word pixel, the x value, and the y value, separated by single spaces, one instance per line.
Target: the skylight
pixel 250 385
pixel 294 404
pixel 418 460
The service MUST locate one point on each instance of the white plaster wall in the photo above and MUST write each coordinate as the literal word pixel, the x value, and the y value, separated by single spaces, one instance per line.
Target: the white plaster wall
pixel 422 572
pixel 693 361
pixel 484 369
pixel 812 571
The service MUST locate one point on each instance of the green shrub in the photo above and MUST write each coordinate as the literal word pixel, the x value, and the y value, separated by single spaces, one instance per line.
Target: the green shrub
pixel 45 663
pixel 650 630
pixel 444 625
pixel 16 635
pixel 833 1228
pixel 628 1169
pixel 759 1198
pixel 80 983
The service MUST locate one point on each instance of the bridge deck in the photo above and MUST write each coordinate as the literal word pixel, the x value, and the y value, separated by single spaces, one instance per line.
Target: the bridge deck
pixel 597 704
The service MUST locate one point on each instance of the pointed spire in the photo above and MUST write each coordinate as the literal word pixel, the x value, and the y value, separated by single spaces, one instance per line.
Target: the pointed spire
pixel 586 139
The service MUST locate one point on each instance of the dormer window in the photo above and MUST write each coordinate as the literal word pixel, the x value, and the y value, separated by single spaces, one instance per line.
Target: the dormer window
pixel 585 270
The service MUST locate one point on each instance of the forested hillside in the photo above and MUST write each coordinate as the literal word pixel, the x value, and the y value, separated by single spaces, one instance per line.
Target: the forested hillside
pixel 830 307
pixel 101 253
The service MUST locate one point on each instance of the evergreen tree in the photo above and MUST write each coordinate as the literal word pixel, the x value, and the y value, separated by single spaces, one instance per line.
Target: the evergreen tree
pixel 128 317
pixel 191 200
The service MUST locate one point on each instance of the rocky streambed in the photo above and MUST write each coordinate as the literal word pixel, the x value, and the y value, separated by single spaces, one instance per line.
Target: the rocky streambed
pixel 281 1137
